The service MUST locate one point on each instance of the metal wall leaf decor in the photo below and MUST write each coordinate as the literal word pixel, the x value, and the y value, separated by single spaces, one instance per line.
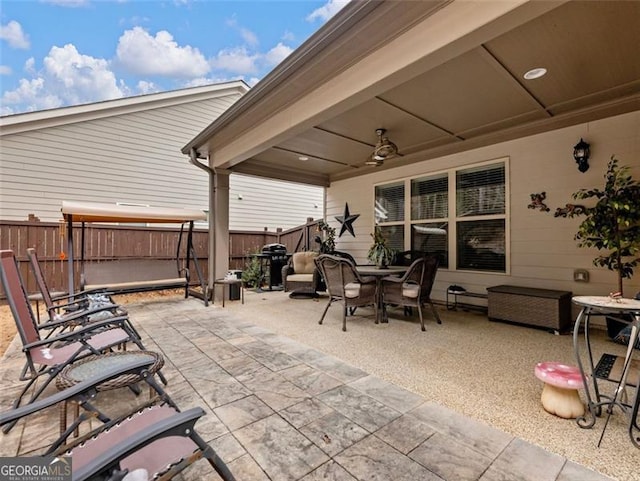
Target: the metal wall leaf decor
pixel 346 221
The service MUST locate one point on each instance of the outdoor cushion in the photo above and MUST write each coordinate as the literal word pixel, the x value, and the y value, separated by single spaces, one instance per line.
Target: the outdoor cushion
pixel 300 278
pixel 352 290
pixel 410 290
pixel 303 262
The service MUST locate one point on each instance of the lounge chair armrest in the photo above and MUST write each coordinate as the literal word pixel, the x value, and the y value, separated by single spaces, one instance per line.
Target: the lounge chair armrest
pixel 74 315
pixel 78 333
pixel 80 296
pixel 180 424
pixel 135 366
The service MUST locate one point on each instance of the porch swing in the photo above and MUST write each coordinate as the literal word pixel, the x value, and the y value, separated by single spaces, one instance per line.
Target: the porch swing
pixel 130 275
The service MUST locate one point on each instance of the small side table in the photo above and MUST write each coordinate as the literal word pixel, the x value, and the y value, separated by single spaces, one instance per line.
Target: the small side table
pixel 227 283
pixel 86 368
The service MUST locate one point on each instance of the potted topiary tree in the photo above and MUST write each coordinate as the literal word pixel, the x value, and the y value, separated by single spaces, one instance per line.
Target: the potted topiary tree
pixel 612 225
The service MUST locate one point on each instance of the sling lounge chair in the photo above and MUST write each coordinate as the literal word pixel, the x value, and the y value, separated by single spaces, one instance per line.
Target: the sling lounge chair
pixel 154 442
pixel 74 309
pixel 47 357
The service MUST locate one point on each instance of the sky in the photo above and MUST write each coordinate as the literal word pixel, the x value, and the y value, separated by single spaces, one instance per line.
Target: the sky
pixel 57 53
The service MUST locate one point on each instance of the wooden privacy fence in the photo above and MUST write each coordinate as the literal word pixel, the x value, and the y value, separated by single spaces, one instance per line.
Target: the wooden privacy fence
pixel 110 242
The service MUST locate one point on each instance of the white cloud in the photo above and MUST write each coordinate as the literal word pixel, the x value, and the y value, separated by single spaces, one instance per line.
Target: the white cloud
pixel 288 36
pixel 67 78
pixel 5 70
pixel 80 78
pixel 277 54
pixel 145 87
pixel 141 53
pixel 29 66
pixel 237 60
pixel 327 11
pixel 31 93
pixel 13 34
pixel 249 37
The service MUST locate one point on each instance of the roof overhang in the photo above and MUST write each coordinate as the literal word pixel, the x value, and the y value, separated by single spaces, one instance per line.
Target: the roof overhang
pixel 442 76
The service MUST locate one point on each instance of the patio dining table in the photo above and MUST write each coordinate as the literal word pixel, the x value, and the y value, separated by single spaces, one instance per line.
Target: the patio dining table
pixel 379 273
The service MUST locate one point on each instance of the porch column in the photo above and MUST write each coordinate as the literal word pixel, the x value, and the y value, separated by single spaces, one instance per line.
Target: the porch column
pixel 219 228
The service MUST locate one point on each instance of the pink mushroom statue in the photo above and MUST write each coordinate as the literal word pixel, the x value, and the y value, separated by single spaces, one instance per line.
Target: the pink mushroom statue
pixel 560 393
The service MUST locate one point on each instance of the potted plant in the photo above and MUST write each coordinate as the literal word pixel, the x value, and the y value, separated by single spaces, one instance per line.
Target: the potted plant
pixel 326 238
pixel 613 223
pixel 379 252
pixel 252 275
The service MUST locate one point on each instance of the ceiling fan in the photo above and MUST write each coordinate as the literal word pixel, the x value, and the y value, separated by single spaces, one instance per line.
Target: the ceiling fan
pixel 385 149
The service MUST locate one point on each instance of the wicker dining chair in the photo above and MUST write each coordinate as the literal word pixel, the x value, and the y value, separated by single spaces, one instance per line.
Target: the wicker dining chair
pixel 346 285
pixel 413 289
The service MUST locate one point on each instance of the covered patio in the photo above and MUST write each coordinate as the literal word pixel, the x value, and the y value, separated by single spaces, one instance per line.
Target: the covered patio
pixel 288 399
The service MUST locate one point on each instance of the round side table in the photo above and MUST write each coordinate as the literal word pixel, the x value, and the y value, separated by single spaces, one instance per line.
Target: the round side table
pixel 88 367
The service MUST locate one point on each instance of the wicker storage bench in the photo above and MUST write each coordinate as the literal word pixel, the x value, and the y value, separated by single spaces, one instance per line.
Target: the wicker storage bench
pixel 534 307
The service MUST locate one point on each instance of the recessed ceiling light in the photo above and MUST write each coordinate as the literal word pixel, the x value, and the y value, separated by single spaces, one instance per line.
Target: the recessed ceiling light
pixel 303 158
pixel 535 73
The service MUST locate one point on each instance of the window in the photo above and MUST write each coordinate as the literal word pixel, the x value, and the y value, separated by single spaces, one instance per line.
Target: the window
pixel 480 191
pixel 480 239
pixel 462 211
pixel 430 201
pixel 389 203
pixel 432 238
pixel 389 213
pixel 430 198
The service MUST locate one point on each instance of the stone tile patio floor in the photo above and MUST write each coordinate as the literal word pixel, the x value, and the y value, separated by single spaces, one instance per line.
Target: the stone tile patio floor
pixel 279 410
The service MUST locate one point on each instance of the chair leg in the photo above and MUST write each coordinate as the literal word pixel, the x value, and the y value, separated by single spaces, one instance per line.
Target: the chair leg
pixel 344 318
pixel 421 318
pixel 325 310
pixel 435 312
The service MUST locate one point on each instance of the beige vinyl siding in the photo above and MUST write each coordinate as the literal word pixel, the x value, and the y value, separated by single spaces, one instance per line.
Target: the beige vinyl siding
pixel 275 203
pixel 542 251
pixel 135 157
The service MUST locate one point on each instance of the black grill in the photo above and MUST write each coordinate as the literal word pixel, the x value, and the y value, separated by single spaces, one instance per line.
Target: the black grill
pixel 273 259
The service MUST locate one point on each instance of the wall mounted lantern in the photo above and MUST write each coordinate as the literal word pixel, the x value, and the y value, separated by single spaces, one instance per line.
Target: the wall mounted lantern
pixel 581 154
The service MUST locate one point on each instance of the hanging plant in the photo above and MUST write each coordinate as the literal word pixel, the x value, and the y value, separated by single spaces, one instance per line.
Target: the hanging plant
pixel 613 223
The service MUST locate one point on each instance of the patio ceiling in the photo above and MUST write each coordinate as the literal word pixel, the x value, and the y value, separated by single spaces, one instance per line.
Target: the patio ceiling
pixel 440 76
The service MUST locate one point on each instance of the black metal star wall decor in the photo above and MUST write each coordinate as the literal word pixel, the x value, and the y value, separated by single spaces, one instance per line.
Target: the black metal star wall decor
pixel 347 221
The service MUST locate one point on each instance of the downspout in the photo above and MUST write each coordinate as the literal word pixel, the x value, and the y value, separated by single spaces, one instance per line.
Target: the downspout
pixel 193 158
